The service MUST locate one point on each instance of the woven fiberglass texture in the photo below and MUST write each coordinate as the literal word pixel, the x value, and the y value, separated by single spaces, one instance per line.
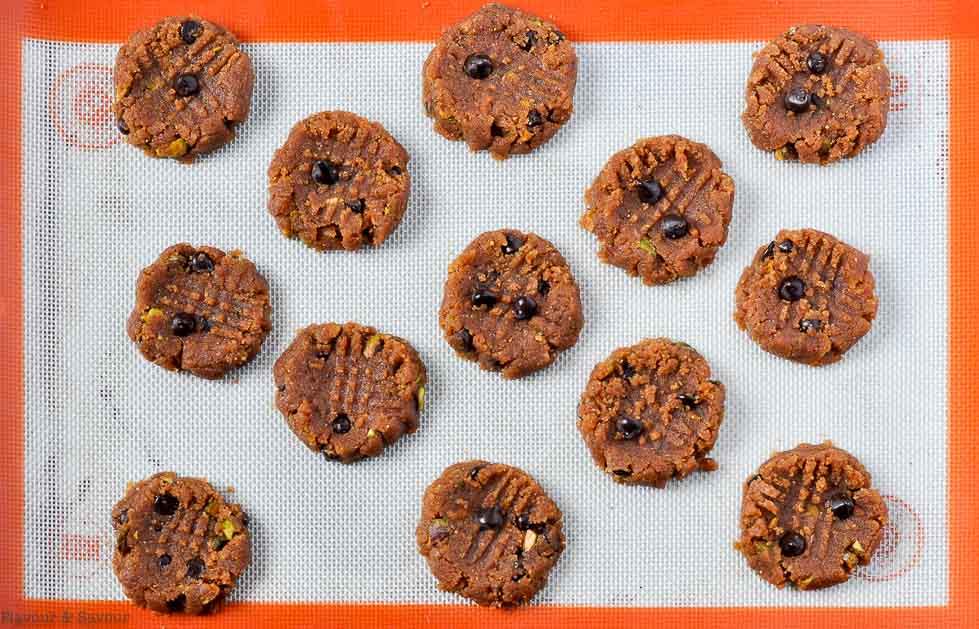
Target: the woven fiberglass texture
pixel 96 211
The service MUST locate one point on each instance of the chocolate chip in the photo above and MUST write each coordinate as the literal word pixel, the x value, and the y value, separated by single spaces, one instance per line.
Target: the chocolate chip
pixel 478 66
pixel 186 85
pixel 491 518
pixel 394 170
pixel 622 473
pixel 341 424
pixel 769 251
pixel 627 427
pixel 810 324
pixel 817 101
pixel 817 62
pixel 531 40
pixel 183 324
pixel 534 119
pixel 797 100
pixel 512 245
pixel 842 506
pixel 218 542
pixel 523 521
pixel 357 207
pixel 166 504
pixel 496 130
pixel 674 226
pixel 474 472
pixel 482 298
pixel 792 544
pixel 122 126
pixel 649 191
pixel 204 325
pixel 792 289
pixel 200 262
pixel 786 246
pixel 195 567
pixel 543 287
pixel 164 560
pixel 688 400
pixel 177 604
pixel 627 370
pixel 524 308
pixel 190 30
pixel 325 173
pixel 466 340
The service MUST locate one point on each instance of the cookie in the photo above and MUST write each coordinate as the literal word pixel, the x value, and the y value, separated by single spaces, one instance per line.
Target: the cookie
pixel 179 546
pixel 807 297
pixel 660 208
pixel 502 80
pixel 817 94
pixel 510 303
pixel 339 182
pixel 181 87
pixel 200 310
pixel 348 390
pixel 489 533
pixel 650 413
pixel 809 516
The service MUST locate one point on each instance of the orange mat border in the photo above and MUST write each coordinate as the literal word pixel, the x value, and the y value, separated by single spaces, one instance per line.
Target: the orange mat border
pixel 599 20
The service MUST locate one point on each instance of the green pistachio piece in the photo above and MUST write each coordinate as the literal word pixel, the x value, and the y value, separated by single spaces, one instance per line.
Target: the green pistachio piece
pixel 228 528
pixel 421 398
pixel 648 247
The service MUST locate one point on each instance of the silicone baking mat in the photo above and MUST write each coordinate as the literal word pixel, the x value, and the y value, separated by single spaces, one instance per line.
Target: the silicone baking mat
pixel 334 544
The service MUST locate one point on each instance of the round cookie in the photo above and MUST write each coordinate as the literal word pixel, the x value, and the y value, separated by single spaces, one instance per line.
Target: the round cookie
pixel 348 391
pixel 809 516
pixel 650 413
pixel 501 80
pixel 339 182
pixel 510 303
pixel 817 94
pixel 489 533
pixel 179 546
pixel 200 310
pixel 181 86
pixel 660 208
pixel 807 297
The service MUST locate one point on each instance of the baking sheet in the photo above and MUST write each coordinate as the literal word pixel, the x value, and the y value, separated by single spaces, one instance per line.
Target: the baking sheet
pixel 97 415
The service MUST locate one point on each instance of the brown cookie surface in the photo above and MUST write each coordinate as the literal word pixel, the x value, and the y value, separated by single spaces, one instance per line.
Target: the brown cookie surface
pixel 348 390
pixel 181 86
pixel 489 533
pixel 817 94
pixel 807 297
pixel 660 208
pixel 200 310
pixel 339 182
pixel 502 80
pixel 809 516
pixel 650 413
pixel 179 546
pixel 510 303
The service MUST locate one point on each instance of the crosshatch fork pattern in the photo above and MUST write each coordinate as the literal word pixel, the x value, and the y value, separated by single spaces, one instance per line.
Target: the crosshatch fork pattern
pixel 98 415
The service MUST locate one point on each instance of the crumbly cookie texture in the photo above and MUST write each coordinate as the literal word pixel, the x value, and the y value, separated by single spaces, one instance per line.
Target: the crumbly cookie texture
pixel 817 94
pixel 809 516
pixel 502 80
pixel 349 391
pixel 181 87
pixel 200 310
pixel 651 412
pixel 807 297
pixel 489 533
pixel 660 209
pixel 510 303
pixel 179 546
